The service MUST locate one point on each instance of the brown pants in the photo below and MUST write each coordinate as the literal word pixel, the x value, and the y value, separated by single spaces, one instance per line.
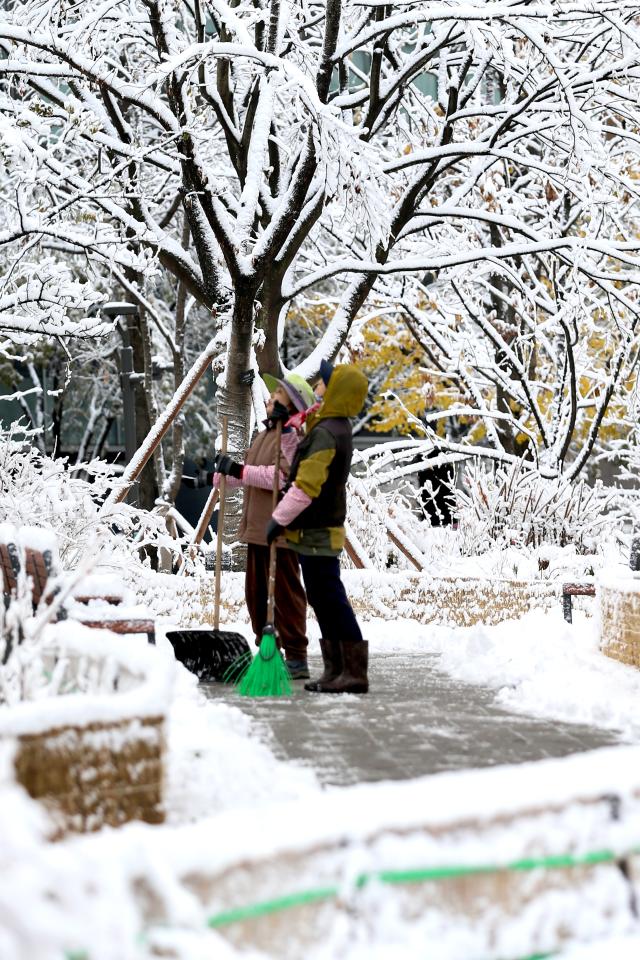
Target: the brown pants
pixel 291 600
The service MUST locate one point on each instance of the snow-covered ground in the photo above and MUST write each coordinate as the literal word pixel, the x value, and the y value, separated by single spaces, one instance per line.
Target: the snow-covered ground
pixel 220 774
pixel 538 665
pixel 216 762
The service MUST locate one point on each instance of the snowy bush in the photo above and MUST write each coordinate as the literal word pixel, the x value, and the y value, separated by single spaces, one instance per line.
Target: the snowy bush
pixel 381 525
pixel 366 512
pixel 36 490
pixel 516 506
pixel 21 666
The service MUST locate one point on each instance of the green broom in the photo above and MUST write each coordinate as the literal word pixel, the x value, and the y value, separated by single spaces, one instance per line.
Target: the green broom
pixel 267 674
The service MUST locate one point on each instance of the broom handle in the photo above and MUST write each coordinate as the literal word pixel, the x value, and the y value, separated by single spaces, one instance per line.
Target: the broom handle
pixel 223 491
pixel 271 586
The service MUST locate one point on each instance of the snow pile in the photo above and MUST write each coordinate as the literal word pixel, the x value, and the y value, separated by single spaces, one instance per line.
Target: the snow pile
pixel 216 762
pixel 478 817
pixel 620 948
pixel 73 675
pixel 163 882
pixel 543 666
pixel 538 665
pixel 230 801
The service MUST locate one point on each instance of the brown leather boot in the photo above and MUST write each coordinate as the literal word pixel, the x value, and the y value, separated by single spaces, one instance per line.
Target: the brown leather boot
pixel 353 678
pixel 332 660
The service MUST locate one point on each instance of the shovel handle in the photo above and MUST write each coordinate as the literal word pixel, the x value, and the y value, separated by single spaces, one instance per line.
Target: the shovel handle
pixel 220 532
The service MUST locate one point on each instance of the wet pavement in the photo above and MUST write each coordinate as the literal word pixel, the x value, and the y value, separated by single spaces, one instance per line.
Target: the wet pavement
pixel 415 721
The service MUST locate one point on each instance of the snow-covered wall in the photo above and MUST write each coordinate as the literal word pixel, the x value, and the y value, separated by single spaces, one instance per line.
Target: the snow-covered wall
pixel 619 593
pixel 548 851
pixel 90 742
pixel 459 601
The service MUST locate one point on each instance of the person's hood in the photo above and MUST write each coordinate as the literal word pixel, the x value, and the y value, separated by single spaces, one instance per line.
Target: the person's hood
pixel 345 396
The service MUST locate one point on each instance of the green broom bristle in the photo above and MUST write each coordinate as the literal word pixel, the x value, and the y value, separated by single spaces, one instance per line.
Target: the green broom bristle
pixel 267 675
pixel 236 671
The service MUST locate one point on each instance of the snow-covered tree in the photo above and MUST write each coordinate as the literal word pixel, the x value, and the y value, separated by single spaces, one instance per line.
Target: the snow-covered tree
pixel 328 150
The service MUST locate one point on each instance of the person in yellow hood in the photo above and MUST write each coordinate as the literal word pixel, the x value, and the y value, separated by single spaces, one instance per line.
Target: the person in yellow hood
pixel 312 513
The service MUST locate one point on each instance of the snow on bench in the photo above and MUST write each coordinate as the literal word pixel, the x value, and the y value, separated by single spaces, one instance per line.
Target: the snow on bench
pixel 99 593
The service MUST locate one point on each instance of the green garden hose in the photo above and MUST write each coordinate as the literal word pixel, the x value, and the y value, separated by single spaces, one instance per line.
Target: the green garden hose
pixel 402 877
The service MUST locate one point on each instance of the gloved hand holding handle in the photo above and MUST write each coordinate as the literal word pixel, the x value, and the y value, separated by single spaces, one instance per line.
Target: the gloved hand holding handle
pixel 227 466
pixel 279 413
pixel 273 531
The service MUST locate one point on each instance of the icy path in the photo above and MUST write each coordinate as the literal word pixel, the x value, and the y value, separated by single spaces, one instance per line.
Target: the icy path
pixel 417 720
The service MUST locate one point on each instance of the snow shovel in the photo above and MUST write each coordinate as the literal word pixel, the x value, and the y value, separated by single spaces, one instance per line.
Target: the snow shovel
pixel 211 654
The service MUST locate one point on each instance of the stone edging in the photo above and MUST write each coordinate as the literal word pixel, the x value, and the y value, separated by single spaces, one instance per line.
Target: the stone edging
pixel 101 774
pixel 458 601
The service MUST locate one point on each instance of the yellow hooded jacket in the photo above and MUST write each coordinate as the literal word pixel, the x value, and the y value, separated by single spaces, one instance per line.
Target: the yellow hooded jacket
pixel 322 462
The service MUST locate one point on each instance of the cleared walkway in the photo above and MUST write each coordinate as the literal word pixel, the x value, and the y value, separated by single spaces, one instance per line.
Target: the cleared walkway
pixel 416 721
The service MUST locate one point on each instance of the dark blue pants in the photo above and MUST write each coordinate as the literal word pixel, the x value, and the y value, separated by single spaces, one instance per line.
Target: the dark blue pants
pixel 328 599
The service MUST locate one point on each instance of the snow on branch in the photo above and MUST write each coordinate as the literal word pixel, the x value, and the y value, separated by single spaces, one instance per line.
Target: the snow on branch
pixel 471 166
pixel 46 300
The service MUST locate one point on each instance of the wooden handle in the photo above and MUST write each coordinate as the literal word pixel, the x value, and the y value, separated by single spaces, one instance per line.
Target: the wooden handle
pixel 271 585
pixel 222 495
pixel 160 427
pixel 205 517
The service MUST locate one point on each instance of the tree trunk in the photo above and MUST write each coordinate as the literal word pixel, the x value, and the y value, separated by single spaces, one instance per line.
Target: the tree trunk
pixel 174 479
pixel 271 304
pixel 57 372
pixel 147 487
pixel 234 402
pixel 152 406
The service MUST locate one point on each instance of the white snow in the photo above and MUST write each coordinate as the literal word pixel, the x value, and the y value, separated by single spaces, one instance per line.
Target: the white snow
pixel 229 799
pixel 145 689
pixel 340 833
pixel 515 185
pixel 620 948
pixel 538 665
pixel 217 763
pixel 37 538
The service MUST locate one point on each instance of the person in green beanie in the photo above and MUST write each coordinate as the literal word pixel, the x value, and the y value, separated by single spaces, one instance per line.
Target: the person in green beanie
pixel 288 396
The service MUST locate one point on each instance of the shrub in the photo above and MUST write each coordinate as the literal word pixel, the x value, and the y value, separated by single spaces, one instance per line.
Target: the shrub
pixel 37 490
pixel 516 506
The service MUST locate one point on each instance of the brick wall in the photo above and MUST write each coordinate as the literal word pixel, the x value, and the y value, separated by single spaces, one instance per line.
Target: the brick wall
pixel 620 620
pixel 101 774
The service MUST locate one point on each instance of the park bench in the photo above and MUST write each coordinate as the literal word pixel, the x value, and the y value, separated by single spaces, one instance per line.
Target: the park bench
pixel 588 589
pixel 571 590
pixel 93 608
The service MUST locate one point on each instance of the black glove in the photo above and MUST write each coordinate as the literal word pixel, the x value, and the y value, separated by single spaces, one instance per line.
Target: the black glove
pixel 273 530
pixel 201 479
pixel 227 466
pixel 247 377
pixel 279 412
